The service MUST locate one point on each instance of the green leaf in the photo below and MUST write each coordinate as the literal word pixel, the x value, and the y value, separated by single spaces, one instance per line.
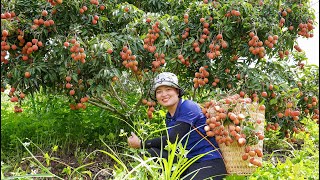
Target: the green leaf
pixel 273 101
pixel 55 148
pixel 67 170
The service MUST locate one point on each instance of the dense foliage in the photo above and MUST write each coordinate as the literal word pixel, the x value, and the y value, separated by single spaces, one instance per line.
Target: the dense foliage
pixel 110 51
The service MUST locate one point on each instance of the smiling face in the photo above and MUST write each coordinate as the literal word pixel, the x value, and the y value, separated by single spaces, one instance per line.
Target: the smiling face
pixel 168 97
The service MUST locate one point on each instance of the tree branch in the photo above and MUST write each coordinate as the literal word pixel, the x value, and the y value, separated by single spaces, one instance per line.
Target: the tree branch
pixel 122 103
pixel 107 107
pixel 138 104
pixel 105 102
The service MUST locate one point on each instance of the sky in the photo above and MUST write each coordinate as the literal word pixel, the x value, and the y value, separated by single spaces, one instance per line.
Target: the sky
pixel 311 45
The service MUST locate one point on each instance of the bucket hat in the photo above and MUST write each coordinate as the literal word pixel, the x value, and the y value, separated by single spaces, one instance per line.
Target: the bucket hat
pixel 165 79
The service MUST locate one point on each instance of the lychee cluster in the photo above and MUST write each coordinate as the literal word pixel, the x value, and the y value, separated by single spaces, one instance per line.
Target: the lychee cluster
pixel 54 2
pixel 305 28
pixel 77 51
pixel 201 78
pixel 80 105
pixel 271 41
pixel 159 60
pixel 233 12
pixel 14 97
pixel 30 47
pixel 183 60
pixel 205 32
pixel 129 60
pixel 185 33
pixel 256 46
pixel 152 36
pixel 150 105
pixel 8 15
pixel 215 47
pixel 283 53
pixel 41 21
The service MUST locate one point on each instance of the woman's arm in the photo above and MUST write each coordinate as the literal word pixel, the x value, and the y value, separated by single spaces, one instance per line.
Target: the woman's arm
pixel 178 131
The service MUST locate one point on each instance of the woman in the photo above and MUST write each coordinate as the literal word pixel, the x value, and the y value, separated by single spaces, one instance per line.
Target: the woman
pixel 183 117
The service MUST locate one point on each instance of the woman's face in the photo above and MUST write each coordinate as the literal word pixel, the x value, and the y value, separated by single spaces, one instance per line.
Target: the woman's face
pixel 167 96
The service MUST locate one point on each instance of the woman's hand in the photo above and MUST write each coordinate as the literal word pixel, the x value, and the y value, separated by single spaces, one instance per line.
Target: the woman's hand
pixel 134 141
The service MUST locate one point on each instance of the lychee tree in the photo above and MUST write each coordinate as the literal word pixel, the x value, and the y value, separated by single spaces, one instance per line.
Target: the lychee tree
pixel 107 52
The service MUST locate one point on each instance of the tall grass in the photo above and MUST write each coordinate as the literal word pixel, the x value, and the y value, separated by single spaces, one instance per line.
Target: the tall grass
pixel 48 121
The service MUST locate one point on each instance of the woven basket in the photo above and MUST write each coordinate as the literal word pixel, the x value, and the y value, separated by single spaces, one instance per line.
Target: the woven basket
pixel 232 153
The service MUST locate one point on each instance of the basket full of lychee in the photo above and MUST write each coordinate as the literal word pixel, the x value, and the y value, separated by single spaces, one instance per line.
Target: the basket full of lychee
pixel 238 126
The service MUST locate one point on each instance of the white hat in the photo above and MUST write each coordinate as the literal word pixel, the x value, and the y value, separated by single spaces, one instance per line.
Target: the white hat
pixel 165 79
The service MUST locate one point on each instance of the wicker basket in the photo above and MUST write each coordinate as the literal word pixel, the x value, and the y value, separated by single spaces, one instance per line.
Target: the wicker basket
pixel 232 153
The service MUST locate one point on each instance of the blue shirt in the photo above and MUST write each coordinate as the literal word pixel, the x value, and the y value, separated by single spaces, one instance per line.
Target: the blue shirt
pixel 189 112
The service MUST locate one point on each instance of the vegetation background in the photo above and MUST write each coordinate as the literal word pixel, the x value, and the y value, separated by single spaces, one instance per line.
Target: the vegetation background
pixel 75 80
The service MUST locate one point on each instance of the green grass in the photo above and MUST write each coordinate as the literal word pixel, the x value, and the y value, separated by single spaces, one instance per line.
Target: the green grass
pixel 48 121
